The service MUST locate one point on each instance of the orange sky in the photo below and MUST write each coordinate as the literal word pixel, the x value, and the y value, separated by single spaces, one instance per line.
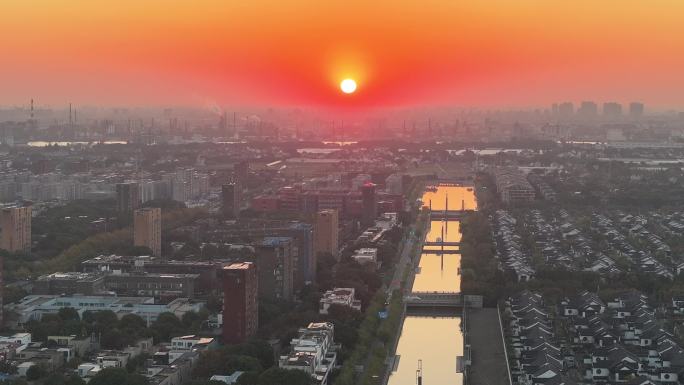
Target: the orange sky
pixel 279 52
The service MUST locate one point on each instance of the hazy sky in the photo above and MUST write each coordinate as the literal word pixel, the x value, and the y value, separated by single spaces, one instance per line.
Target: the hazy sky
pixel 279 52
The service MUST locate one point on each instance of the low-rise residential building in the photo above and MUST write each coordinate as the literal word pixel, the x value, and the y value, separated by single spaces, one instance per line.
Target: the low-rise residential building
pixel 11 346
pixel 366 255
pixel 191 341
pixel 512 185
pixel 228 380
pixel 312 351
pixel 80 346
pixel 339 296
pixel 612 342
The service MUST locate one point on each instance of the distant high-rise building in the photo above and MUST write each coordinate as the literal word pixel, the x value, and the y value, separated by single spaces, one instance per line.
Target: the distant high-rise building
pixel 127 197
pixel 326 233
pixel 636 109
pixel 612 109
pixel 394 184
pixel 147 229
pixel 230 199
pixel 2 286
pixel 566 109
pixel 275 267
pixel 241 170
pixel 15 229
pixel 240 309
pixel 370 204
pixel 588 109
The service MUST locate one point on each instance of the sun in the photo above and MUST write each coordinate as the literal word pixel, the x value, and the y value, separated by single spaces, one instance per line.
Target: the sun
pixel 348 86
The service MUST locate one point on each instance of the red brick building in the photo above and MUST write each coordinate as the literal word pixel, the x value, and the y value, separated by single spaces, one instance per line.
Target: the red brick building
pixel 240 308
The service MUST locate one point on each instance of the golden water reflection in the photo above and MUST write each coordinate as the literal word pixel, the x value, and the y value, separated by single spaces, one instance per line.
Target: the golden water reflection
pixel 437 341
pixel 440 272
pixel 460 198
pixel 434 340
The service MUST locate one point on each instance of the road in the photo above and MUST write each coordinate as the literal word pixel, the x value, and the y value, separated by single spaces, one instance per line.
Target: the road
pixel 405 260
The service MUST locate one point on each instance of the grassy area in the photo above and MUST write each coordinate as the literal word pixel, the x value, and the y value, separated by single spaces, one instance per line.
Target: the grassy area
pixel 60 227
pixel 416 189
pixel 112 241
pixel 118 240
pixel 376 337
pixel 386 335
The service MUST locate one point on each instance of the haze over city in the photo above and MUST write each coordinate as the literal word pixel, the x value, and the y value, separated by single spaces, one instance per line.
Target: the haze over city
pixel 296 192
pixel 492 54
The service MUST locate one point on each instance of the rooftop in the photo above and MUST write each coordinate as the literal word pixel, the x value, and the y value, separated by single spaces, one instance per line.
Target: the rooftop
pixel 275 241
pixel 238 266
pixel 71 276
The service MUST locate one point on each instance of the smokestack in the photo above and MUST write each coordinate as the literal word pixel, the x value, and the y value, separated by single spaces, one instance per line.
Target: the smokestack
pixel 70 116
pixel 235 129
pixel 31 108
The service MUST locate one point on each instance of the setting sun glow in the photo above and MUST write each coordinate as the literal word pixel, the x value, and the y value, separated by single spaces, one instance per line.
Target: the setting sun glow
pixel 399 52
pixel 348 86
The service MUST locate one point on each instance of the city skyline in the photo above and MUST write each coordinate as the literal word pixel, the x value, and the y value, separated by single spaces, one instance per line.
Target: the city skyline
pixel 304 192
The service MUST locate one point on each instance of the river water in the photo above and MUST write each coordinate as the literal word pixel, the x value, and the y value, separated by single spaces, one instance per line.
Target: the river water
pixel 41 143
pixel 435 341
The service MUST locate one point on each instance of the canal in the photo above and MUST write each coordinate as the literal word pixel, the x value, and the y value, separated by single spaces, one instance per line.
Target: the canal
pixel 435 341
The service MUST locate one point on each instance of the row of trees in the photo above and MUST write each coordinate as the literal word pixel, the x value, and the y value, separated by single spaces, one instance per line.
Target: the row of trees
pixel 62 226
pixel 254 358
pixel 63 244
pixel 114 333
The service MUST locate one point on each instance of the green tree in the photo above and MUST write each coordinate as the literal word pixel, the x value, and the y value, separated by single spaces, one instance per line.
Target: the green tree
pixel 132 323
pixel 68 314
pixel 101 320
pixel 192 321
pixel 35 372
pixel 61 379
pixel 256 348
pixel 16 381
pixel 278 376
pixel 248 378
pixel 117 376
pixel 166 326
pixel 7 367
pixel 224 362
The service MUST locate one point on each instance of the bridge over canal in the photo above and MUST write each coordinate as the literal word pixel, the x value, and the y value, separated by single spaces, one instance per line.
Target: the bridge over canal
pixel 441 300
